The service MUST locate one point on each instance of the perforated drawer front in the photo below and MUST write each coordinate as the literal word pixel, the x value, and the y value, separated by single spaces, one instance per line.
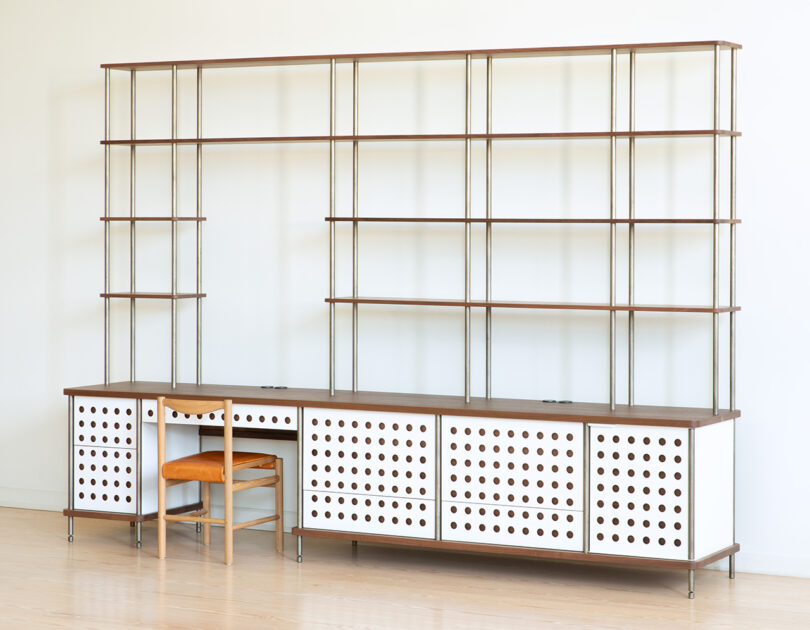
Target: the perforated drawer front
pixel 104 421
pixel 639 502
pixel 512 526
pixel 365 452
pixel 390 516
pixel 104 479
pixel 522 463
pixel 250 416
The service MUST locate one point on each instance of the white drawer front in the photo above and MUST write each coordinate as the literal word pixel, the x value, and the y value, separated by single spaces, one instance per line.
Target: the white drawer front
pixel 639 502
pixel 366 452
pixel 104 479
pixel 388 516
pixel 104 422
pixel 252 416
pixel 512 526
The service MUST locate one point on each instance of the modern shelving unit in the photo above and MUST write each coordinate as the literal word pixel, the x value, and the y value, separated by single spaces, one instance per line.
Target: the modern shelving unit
pixel 541 485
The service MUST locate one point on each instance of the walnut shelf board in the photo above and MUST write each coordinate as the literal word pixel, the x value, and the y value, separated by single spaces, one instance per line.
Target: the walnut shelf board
pixel 435 137
pixel 684 417
pixel 153 296
pixel 528 220
pixel 576 306
pixel 129 219
pixel 447 55
pixel 549 554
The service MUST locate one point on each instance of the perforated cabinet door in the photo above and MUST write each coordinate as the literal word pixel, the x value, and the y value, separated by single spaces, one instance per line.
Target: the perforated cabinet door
pixel 104 479
pixel 108 422
pixel 639 491
pixel 512 482
pixel 376 469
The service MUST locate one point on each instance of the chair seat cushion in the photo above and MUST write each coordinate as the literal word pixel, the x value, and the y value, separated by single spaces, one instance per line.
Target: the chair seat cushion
pixel 210 465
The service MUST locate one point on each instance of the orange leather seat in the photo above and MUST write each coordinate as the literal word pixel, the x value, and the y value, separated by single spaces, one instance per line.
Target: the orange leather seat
pixel 210 465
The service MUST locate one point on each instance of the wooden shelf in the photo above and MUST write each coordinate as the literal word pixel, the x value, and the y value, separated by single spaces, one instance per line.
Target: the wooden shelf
pixel 434 137
pixel 530 220
pixel 153 295
pixel 647 415
pixel 137 219
pixel 573 306
pixel 447 55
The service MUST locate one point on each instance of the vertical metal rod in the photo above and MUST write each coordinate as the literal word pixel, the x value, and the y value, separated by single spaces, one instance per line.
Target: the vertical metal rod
pixel 199 226
pixel 300 476
pixel 132 93
pixel 716 237
pixel 631 237
pixel 438 478
pixel 489 234
pixel 174 228
pixel 732 395
pixel 355 214
pixel 467 225
pixel 138 469
pixel 332 107
pixel 691 584
pixel 107 226
pixel 586 485
pixel 613 228
pixel 71 503
pixel 691 511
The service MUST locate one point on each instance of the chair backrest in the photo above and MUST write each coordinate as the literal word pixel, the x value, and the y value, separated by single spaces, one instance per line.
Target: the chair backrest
pixel 196 407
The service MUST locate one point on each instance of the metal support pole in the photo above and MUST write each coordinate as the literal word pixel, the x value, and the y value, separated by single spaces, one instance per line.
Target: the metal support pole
pixel 300 476
pixel 691 584
pixel 132 93
pixel 174 228
pixel 733 296
pixel 586 485
pixel 438 477
pixel 613 82
pixel 716 237
pixel 199 226
pixel 138 470
pixel 332 107
pixel 355 209
pixel 70 467
pixel 107 227
pixel 489 233
pixel 631 236
pixel 467 226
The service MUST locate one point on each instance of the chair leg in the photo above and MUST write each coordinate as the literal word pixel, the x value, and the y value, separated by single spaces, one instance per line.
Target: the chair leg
pixel 228 487
pixel 206 498
pixel 161 516
pixel 279 491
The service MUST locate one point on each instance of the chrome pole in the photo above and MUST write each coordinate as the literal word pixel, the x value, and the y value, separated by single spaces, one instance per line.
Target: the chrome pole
pixel 199 226
pixel 71 503
pixel 489 233
pixel 586 485
pixel 631 237
pixel 437 473
pixel 612 227
pixel 138 470
pixel 467 226
pixel 691 511
pixel 132 92
pixel 174 227
pixel 300 489
pixel 332 107
pixel 733 300
pixel 716 237
pixel 107 227
pixel 355 208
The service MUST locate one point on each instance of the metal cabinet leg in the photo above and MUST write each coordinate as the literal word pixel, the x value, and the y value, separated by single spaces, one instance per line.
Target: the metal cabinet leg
pixel 300 549
pixel 691 584
pixel 138 529
pixel 731 570
pixel 70 529
pixel 354 543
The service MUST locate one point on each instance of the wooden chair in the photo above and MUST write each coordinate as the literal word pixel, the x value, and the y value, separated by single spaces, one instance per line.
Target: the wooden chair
pixel 213 467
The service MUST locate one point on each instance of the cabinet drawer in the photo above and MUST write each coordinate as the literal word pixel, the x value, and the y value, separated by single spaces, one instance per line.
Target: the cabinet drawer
pixel 101 422
pixel 244 416
pixel 512 526
pixel 105 479
pixel 367 514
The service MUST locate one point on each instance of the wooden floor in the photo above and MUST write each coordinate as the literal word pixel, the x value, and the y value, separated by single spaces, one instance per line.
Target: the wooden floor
pixel 101 581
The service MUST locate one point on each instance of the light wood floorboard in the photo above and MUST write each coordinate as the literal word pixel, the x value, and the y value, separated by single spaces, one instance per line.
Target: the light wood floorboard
pixel 100 581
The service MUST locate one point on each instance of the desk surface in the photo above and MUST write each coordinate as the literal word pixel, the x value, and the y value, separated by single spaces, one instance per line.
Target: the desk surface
pixel 684 417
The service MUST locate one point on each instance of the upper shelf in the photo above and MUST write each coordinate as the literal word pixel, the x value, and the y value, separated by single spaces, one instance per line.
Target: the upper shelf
pixel 496 53
pixel 152 295
pixel 152 219
pixel 543 135
pixel 576 306
pixel 524 220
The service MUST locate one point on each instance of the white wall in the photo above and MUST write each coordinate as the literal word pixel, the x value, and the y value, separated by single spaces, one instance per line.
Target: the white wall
pixel 51 194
